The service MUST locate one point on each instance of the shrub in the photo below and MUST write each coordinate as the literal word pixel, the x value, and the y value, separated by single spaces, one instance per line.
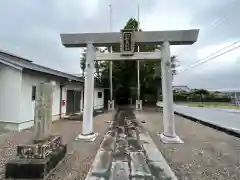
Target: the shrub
pixel 196 97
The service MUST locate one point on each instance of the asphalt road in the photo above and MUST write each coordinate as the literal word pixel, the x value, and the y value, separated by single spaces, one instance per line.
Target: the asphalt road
pixel 222 117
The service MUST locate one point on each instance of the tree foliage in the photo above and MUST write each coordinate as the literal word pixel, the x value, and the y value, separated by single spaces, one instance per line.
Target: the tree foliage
pixel 125 72
pixel 200 95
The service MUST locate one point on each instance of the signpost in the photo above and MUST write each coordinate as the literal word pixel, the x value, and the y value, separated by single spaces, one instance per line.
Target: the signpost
pixel 128 40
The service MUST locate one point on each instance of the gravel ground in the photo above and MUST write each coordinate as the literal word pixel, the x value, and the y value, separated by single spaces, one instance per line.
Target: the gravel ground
pixel 207 154
pixel 79 156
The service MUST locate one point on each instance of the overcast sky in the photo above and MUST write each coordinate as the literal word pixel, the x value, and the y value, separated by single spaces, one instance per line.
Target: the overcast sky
pixel 31 28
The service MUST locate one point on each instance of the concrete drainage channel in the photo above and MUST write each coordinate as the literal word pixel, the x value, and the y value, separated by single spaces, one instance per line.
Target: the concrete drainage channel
pixel 128 152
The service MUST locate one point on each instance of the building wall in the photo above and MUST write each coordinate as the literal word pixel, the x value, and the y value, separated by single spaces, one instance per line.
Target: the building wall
pixel 28 105
pixel 64 97
pixel 16 104
pixel 98 101
pixel 56 101
pixel 10 93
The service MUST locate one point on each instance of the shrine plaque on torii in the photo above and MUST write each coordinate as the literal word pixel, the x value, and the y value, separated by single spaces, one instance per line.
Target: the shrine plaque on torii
pixel 127 44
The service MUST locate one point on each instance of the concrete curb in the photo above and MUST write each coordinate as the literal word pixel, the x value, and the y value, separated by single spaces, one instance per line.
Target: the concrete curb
pixel 155 156
pixel 229 131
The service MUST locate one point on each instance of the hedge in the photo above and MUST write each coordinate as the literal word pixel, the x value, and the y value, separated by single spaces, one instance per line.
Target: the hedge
pixel 197 98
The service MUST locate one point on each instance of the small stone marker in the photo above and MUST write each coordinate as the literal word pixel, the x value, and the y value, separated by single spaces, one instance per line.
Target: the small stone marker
pixel 43 111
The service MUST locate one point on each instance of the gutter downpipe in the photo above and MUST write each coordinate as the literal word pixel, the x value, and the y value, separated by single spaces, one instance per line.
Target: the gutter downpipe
pixel 60 107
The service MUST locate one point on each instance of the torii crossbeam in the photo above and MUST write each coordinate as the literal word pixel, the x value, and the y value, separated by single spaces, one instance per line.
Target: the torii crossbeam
pixel 128 39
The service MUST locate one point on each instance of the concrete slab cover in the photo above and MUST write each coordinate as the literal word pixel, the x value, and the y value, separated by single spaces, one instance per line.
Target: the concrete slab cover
pixel 102 163
pixel 119 171
pixel 139 166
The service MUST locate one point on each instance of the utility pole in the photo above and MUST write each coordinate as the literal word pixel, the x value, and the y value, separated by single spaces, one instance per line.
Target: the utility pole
pixel 110 63
pixel 138 65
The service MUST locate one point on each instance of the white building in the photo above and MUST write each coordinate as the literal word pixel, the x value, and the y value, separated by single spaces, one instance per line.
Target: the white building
pixel 18 79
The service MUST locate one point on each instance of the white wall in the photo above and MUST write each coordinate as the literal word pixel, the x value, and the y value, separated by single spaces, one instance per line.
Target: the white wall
pixel 56 100
pixel 27 106
pixel 98 102
pixel 16 105
pixel 64 97
pixel 10 93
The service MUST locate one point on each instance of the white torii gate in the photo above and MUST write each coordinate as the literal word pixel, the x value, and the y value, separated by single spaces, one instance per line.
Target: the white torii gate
pixel 127 40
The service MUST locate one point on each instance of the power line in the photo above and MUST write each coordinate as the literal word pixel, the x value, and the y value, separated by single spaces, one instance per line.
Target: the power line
pixel 216 23
pixel 213 54
pixel 207 60
pixel 219 50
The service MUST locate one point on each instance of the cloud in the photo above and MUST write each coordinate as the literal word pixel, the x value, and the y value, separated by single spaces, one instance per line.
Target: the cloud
pixel 220 72
pixel 216 20
pixel 31 29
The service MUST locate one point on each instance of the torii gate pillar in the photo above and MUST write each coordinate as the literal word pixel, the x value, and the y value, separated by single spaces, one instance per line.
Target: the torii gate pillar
pixel 169 134
pixel 87 129
pixel 163 38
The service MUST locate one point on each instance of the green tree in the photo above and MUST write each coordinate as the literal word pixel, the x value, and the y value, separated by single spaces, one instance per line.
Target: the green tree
pixel 125 72
pixel 201 93
pixel 98 65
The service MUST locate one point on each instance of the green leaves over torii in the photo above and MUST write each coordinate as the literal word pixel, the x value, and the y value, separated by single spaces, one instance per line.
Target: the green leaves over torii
pixel 133 24
pixel 125 72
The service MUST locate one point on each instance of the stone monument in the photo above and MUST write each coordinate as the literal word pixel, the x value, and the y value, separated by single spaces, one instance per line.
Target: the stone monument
pixel 43 112
pixel 36 158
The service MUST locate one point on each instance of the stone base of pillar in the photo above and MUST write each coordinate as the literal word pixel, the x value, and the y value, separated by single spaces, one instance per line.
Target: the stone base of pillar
pixel 87 137
pixel 170 140
pixel 139 105
pixel 111 105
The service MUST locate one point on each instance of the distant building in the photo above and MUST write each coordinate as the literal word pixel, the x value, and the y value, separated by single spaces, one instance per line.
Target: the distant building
pixel 181 88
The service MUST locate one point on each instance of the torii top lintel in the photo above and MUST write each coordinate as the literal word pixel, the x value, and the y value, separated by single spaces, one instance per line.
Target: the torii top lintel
pixel 176 37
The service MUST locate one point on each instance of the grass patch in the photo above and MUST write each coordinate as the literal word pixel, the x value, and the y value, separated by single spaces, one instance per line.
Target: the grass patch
pixel 210 104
